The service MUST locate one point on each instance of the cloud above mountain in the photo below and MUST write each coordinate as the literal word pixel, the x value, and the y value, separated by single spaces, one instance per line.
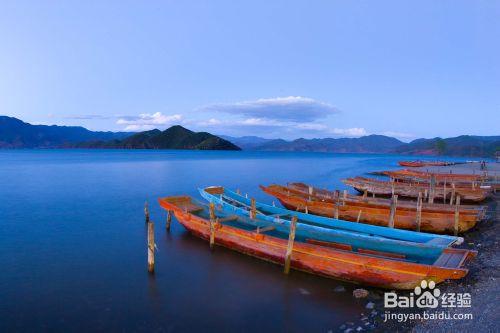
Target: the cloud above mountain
pixel 148 121
pixel 291 108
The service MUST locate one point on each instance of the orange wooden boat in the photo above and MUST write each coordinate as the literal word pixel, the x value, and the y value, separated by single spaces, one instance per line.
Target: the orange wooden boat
pixel 319 194
pixel 416 164
pixel 412 190
pixel 375 211
pixel 448 178
pixel 321 258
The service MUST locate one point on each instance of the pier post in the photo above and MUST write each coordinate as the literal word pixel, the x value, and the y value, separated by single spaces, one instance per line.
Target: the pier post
pixel 146 212
pixel 419 212
pixel 212 224
pixel 394 203
pixel 432 188
pixel 392 186
pixel 344 197
pixel 310 192
pixel 452 197
pixel 289 248
pixel 337 202
pixel 151 247
pixel 457 215
pixel 169 220
pixel 444 191
pixel 253 211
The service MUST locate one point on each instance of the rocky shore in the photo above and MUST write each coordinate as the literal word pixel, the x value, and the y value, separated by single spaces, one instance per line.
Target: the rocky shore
pixel 482 282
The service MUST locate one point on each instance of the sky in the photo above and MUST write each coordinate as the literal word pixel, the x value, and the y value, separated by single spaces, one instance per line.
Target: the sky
pixel 287 69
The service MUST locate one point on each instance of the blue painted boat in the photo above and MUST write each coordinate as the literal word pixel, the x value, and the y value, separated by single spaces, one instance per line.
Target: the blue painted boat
pixel 410 245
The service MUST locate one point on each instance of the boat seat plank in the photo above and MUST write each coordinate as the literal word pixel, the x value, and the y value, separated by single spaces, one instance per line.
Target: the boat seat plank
pixel 382 254
pixel 339 246
pixel 264 229
pixel 449 259
pixel 228 219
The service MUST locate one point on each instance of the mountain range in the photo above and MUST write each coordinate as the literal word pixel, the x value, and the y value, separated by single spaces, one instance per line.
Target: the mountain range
pixel 15 133
pixel 175 137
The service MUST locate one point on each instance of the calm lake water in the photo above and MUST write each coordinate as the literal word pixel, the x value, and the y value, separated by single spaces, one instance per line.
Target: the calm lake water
pixel 73 244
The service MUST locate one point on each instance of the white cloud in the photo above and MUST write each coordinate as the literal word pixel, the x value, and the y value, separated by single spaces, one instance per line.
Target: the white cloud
pixel 291 108
pixel 147 121
pixel 400 135
pixel 355 131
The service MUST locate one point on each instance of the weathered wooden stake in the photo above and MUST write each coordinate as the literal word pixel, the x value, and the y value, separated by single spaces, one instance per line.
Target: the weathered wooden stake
pixel 151 247
pixel 432 188
pixel 306 210
pixel 452 193
pixel 310 192
pixel 344 197
pixel 419 211
pixel 336 211
pixel 444 191
pixel 359 216
pixel 392 186
pixel 457 215
pixel 253 211
pixel 146 212
pixel 394 203
pixel 169 220
pixel 212 224
pixel 289 248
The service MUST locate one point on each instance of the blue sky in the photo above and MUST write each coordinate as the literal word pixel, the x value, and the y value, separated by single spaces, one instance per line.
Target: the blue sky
pixel 270 68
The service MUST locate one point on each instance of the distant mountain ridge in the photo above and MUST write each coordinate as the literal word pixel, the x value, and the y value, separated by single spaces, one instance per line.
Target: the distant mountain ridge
pixel 465 145
pixel 175 137
pixel 15 133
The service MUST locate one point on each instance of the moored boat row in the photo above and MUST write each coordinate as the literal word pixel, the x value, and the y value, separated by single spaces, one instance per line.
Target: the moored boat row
pixel 244 230
pixel 360 239
pixel 437 218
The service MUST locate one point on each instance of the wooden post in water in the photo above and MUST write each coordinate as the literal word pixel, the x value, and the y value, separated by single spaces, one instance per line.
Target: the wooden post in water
pixel 419 211
pixel 253 211
pixel 151 247
pixel 457 215
pixel 359 216
pixel 336 197
pixel 344 197
pixel 452 197
pixel 146 212
pixel 169 220
pixel 310 192
pixel 289 248
pixel 394 203
pixel 444 191
pixel 212 224
pixel 432 188
pixel 392 186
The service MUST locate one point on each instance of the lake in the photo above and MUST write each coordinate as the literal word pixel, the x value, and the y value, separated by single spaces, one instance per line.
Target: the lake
pixel 73 244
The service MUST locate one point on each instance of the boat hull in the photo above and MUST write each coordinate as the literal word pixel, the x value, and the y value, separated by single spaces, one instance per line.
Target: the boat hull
pixel 404 219
pixel 331 263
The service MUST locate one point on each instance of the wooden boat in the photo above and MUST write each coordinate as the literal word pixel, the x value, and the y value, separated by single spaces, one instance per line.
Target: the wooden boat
pixel 464 180
pixel 319 258
pixel 413 245
pixel 386 188
pixel 374 211
pixel 317 194
pixel 416 164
